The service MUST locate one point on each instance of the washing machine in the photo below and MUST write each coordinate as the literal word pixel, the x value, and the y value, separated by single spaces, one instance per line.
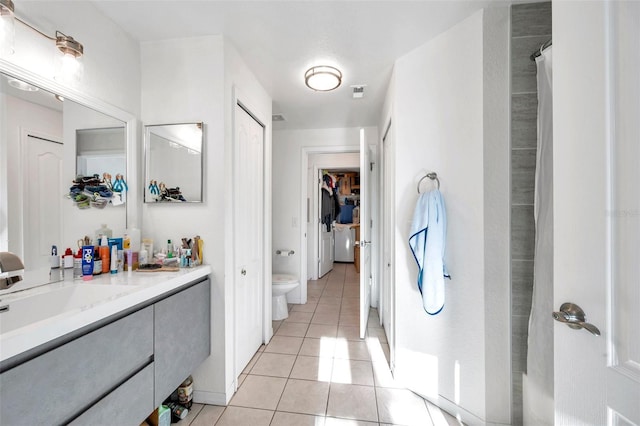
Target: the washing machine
pixel 344 238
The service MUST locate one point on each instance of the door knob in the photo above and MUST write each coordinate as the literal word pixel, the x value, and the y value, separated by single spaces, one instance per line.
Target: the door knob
pixel 573 315
pixel 362 243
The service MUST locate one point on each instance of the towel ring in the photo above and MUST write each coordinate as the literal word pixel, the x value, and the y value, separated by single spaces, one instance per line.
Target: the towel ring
pixel 432 176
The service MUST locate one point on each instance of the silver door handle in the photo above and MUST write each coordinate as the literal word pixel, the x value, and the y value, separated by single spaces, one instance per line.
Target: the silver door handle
pixel 362 243
pixel 573 315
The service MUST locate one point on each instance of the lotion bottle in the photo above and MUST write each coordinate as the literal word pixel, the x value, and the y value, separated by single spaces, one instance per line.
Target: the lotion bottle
pixel 114 259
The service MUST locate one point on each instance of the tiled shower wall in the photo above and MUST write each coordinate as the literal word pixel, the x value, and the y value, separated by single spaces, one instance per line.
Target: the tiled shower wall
pixel 530 28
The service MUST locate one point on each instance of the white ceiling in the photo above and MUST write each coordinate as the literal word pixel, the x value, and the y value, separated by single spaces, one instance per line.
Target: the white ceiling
pixel 279 40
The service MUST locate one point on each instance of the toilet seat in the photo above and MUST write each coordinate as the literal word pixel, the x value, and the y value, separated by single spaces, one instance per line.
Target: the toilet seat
pixel 283 279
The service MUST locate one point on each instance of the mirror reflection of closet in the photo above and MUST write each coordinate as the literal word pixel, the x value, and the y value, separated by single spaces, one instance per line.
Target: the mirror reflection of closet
pixel 173 163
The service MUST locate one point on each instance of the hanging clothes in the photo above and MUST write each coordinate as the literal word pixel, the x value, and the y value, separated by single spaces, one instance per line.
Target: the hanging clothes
pixel 427 243
pixel 327 209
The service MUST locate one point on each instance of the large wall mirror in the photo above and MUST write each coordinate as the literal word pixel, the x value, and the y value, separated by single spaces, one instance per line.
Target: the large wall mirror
pixel 45 142
pixel 173 163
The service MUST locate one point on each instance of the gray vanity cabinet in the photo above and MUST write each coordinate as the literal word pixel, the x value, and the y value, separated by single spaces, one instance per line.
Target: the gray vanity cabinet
pixel 56 386
pixel 182 337
pixel 117 372
pixel 130 402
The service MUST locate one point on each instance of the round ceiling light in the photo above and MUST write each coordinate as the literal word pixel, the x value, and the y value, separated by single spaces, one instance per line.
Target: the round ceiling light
pixel 323 78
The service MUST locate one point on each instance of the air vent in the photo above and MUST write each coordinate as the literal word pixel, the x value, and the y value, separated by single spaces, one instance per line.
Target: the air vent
pixel 277 117
pixel 358 91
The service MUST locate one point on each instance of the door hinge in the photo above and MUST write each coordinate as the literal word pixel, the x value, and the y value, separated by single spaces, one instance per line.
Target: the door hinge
pixel 371 166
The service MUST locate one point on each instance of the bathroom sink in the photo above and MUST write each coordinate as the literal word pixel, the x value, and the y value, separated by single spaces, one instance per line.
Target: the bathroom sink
pixel 17 312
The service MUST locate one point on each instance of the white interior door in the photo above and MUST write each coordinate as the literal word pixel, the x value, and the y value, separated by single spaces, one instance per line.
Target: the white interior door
pixel 249 225
pixel 597 210
pixel 43 200
pixel 365 234
pixel 326 249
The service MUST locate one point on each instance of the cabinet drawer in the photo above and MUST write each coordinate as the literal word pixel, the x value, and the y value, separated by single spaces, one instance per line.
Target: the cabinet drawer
pixel 54 387
pixel 182 337
pixel 129 404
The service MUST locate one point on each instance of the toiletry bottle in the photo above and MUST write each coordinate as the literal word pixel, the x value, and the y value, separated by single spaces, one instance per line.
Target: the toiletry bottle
pixel 97 261
pixel 54 259
pixel 104 253
pixel 143 258
pixel 126 244
pixel 134 236
pixel 77 264
pixel 114 259
pixel 88 253
pixel 169 249
pixel 103 230
pixel 68 258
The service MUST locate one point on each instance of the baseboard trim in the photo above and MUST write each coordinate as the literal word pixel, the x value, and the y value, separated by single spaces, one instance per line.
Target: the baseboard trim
pixel 211 398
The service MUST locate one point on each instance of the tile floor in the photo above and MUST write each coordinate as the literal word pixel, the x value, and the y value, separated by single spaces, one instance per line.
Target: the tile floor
pixel 316 371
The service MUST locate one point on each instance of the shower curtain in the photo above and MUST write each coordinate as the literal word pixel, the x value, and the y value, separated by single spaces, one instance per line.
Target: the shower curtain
pixel 537 382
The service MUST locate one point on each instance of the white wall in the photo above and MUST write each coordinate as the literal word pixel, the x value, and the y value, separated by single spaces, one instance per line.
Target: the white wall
pixel 290 172
pixel 443 121
pixel 188 82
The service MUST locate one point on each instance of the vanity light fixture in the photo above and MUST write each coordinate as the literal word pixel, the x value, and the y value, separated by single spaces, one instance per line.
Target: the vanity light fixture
pixel 68 65
pixel 7 27
pixel 323 78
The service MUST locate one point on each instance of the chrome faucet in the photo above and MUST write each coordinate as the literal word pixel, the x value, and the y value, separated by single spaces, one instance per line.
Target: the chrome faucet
pixel 11 269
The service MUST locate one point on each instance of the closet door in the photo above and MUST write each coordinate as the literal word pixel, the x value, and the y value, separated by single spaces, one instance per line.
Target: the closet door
pixel 248 234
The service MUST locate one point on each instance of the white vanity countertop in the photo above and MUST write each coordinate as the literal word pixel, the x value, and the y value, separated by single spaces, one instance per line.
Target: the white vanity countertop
pixel 99 298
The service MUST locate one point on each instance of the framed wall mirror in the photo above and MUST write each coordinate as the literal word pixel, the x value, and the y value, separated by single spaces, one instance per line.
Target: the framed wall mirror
pixel 173 163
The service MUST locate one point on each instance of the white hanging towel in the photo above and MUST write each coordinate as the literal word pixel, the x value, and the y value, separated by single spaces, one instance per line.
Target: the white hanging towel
pixel 427 243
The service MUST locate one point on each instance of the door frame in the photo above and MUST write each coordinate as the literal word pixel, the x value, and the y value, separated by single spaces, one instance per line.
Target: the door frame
pixel 244 102
pixel 305 154
pixel 387 215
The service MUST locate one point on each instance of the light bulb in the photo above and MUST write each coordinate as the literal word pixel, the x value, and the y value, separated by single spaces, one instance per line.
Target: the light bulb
pixel 7 31
pixel 68 68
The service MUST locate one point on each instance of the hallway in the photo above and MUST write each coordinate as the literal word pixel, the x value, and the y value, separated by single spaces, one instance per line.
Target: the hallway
pixel 317 372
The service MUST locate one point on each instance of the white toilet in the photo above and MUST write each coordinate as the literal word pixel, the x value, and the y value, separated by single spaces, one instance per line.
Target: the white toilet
pixel 281 284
